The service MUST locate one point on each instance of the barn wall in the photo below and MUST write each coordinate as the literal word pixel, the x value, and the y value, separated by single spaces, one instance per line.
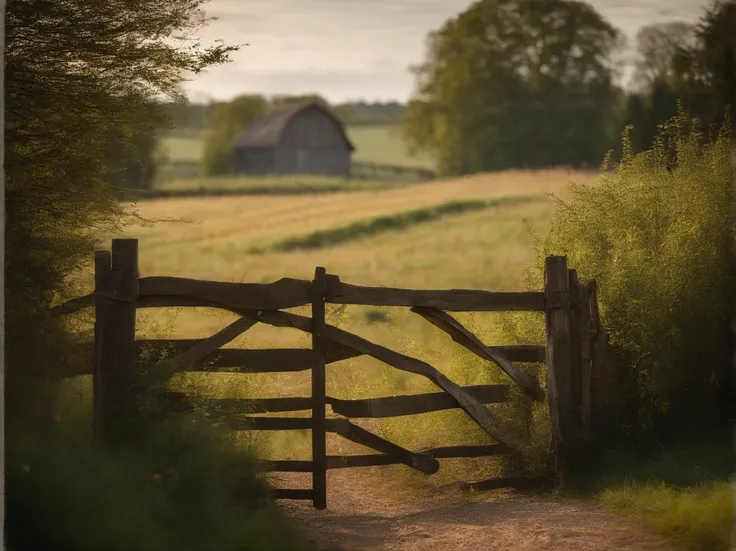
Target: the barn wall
pixel 312 161
pixel 254 160
pixel 311 128
pixel 311 143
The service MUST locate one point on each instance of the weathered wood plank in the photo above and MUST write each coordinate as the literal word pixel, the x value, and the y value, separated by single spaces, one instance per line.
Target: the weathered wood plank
pixel 269 423
pixel 319 441
pixel 275 360
pixel 411 404
pixel 284 293
pixel 391 406
pixel 522 353
pixel 245 422
pixel 455 300
pixel 286 493
pixel 247 360
pixel 479 413
pixel 418 461
pixel 286 466
pixel 204 347
pixel 259 405
pixel 450 452
pixel 462 336
pixel 558 360
pixel 116 337
pixel 158 291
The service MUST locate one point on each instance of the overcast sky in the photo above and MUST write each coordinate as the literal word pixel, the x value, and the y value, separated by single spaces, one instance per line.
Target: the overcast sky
pixel 355 49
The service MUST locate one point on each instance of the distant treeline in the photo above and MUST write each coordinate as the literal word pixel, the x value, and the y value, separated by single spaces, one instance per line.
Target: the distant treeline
pixel 489 98
pixel 193 117
pixel 489 101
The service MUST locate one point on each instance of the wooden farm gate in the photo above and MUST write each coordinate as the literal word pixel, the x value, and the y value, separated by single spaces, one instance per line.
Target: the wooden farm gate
pixel 574 353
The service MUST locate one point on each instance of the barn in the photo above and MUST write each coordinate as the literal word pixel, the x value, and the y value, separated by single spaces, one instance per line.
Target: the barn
pixel 296 139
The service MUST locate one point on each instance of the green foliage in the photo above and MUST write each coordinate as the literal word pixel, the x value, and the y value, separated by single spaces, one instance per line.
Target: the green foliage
pixel 226 122
pixel 699 518
pixel 395 222
pixel 515 83
pixel 185 487
pixel 656 235
pixel 80 79
pixel 695 64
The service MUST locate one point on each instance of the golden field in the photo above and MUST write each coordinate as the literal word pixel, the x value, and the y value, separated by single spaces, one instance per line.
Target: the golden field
pixel 211 238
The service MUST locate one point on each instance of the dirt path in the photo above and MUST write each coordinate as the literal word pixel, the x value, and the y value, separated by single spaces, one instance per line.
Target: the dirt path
pixel 446 519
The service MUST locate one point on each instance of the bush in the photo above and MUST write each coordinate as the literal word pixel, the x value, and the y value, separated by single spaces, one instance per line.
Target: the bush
pixel 185 487
pixel 656 235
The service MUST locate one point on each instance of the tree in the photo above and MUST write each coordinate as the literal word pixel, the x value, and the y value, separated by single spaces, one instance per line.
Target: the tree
pixel 281 100
pixel 656 48
pixel 226 122
pixel 81 80
pixel 515 83
pixel 716 60
pixel 694 65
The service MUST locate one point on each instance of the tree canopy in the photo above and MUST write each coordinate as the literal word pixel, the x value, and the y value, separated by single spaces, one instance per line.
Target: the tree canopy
pixel 82 80
pixel 516 83
pixel 694 65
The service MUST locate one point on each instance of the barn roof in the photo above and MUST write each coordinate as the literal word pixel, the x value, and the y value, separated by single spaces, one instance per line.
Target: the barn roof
pixel 267 130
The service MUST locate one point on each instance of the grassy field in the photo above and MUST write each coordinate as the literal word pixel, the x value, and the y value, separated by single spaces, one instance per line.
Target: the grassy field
pixel 375 144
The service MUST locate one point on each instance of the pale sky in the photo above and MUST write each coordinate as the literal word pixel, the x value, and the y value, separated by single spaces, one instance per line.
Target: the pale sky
pixel 355 49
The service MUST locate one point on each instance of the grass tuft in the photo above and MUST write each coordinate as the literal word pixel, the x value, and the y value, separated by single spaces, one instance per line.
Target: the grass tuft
pixel 701 518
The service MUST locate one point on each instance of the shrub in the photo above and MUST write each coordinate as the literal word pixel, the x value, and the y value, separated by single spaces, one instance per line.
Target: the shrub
pixel 655 233
pixel 185 487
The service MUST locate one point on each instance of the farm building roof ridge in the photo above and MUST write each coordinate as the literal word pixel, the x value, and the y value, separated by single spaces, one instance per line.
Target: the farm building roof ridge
pixel 267 130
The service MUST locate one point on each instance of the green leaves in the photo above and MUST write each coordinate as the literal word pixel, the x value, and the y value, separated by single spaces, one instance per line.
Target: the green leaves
pixel 656 235
pixel 515 83
pixel 226 122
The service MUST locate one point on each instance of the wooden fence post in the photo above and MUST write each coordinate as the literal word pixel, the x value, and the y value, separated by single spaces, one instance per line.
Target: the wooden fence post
pixel 319 439
pixel 116 288
pixel 586 361
pixel 559 384
pixel 576 329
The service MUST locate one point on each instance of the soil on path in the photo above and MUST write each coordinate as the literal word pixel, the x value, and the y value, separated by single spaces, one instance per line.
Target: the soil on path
pixel 361 517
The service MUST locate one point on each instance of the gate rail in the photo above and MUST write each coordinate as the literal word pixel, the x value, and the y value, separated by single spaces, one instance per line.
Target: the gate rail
pixel 575 353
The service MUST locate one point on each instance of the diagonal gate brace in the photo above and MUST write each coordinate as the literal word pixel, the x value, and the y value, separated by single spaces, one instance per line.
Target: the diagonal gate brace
pixel 462 336
pixel 488 421
pixel 354 433
pixel 167 367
